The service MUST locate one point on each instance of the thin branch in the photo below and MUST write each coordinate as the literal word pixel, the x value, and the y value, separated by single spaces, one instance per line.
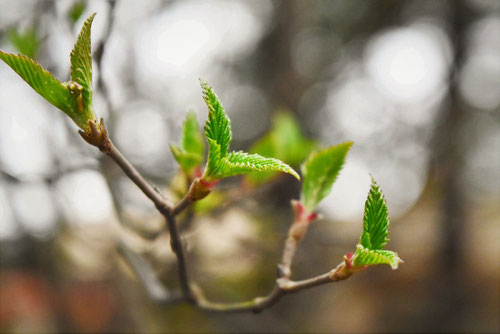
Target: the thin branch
pixel 284 268
pixel 99 137
pixel 195 296
pixel 160 202
pixel 179 207
pixel 177 248
pixel 282 287
pixel 297 232
pixel 163 206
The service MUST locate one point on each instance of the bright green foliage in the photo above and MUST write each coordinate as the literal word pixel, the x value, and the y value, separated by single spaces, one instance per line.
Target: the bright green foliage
pixel 81 65
pixel 218 126
pixel 191 153
pixel 76 11
pixel 57 93
pixel 26 42
pixel 369 257
pixel 370 251
pixel 73 98
pixel 220 164
pixel 320 171
pixel 375 220
pixel 285 142
pixel 237 163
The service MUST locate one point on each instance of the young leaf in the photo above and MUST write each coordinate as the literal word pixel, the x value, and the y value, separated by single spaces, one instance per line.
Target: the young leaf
pixel 369 257
pixel 285 142
pixel 375 220
pixel 59 94
pixel 238 163
pixel 214 160
pixel 192 140
pixel 26 42
pixel 74 98
pixel 320 171
pixel 191 153
pixel 290 144
pixel 81 65
pixel 220 164
pixel 218 125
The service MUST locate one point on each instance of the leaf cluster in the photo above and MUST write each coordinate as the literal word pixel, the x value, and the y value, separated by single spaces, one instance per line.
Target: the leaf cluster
pixel 285 142
pixel 74 98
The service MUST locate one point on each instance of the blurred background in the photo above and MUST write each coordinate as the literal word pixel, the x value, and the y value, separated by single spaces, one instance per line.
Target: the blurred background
pixel 415 85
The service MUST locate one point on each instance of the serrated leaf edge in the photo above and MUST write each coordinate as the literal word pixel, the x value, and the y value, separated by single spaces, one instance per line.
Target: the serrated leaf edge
pixel 393 261
pixel 367 235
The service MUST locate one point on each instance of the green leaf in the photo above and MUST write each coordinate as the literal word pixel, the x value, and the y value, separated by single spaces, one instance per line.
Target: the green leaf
pixel 369 257
pixel 285 142
pixel 290 145
pixel 237 163
pixel 64 96
pixel 220 164
pixel 320 171
pixel 241 163
pixel 76 11
pixel 75 97
pixel 218 125
pixel 26 42
pixel 191 153
pixel 192 140
pixel 81 66
pixel 375 220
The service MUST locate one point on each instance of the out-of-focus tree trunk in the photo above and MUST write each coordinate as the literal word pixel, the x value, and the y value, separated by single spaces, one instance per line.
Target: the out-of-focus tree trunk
pixel 447 170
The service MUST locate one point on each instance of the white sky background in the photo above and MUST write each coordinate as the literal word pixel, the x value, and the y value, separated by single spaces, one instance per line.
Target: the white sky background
pixel 385 96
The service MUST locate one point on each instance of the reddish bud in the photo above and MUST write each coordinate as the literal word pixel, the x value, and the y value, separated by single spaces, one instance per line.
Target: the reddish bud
pixel 200 189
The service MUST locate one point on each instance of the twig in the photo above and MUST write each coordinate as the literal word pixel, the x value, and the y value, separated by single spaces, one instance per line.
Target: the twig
pixel 297 231
pixel 284 268
pixel 98 136
pixel 163 207
pixel 177 248
pixel 159 201
pixel 282 287
pixel 179 207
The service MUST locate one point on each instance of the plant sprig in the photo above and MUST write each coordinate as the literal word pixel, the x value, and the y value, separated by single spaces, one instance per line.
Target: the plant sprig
pixel 320 171
pixel 74 98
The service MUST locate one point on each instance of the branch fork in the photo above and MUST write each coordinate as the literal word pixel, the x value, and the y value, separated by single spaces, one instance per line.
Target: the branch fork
pixel 97 135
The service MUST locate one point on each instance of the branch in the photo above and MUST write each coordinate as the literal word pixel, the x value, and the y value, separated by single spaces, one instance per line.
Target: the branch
pixel 165 209
pixel 98 136
pixel 282 287
pixel 159 201
pixel 179 207
pixel 297 231
pixel 177 248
